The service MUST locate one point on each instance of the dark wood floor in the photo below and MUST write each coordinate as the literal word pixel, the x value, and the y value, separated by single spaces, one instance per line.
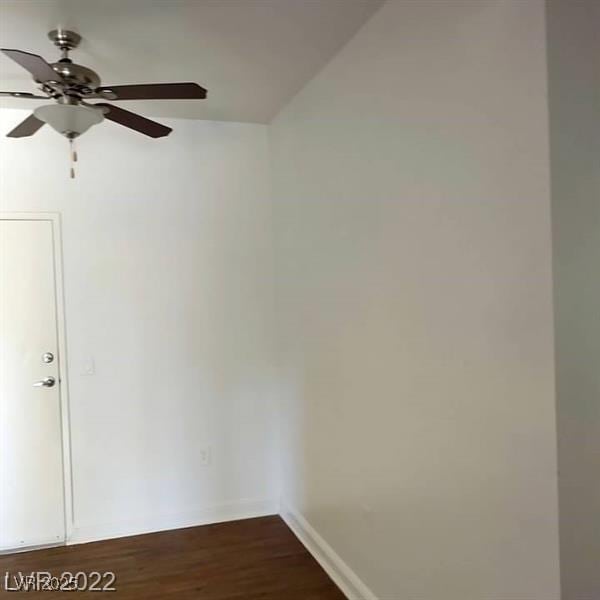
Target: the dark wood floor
pixel 241 560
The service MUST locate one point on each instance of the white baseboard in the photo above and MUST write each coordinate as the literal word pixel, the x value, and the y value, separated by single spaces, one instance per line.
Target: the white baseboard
pixel 230 511
pixel 344 577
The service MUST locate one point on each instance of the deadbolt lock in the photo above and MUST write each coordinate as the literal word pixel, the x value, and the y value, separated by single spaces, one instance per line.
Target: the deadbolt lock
pixel 48 357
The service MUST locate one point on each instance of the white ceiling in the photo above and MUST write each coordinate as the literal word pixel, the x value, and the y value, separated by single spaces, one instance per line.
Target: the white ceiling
pixel 251 55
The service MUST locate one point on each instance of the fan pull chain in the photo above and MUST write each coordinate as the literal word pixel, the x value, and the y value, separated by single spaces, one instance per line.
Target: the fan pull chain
pixel 72 156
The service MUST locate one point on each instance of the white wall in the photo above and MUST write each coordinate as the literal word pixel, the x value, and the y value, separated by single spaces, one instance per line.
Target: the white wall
pixel 574 90
pixel 412 221
pixel 168 288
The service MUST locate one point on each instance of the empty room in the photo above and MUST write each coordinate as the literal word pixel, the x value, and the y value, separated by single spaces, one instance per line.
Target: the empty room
pixel 300 299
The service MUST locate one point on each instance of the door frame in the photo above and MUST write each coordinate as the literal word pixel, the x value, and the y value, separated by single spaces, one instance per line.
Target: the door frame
pixel 55 220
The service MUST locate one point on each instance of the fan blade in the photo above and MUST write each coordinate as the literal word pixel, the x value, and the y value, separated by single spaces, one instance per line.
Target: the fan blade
pixel 154 91
pixel 134 121
pixel 35 64
pixel 26 95
pixel 26 128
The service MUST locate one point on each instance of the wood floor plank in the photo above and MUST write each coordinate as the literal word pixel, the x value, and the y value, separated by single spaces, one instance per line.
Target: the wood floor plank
pixel 253 559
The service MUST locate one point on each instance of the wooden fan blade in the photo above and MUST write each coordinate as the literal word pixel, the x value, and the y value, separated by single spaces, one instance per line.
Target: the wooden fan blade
pixel 35 64
pixel 135 121
pixel 154 91
pixel 26 128
pixel 26 95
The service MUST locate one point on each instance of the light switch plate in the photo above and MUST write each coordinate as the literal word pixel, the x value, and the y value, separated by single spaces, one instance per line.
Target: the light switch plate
pixel 88 367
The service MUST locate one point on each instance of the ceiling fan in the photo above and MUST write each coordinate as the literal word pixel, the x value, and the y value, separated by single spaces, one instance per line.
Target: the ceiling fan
pixel 71 86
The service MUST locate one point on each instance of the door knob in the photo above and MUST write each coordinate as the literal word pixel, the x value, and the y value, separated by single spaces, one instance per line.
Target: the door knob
pixel 46 382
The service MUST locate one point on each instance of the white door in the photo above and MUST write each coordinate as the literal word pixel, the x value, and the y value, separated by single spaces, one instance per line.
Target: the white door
pixel 32 499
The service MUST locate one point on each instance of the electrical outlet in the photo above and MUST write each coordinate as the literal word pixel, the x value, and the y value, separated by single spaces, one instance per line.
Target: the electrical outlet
pixel 205 456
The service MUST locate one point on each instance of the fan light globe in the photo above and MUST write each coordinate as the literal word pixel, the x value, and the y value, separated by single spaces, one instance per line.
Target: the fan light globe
pixel 69 120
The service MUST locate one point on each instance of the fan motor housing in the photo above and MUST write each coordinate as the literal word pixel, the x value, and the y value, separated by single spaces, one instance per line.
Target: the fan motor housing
pixel 77 77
